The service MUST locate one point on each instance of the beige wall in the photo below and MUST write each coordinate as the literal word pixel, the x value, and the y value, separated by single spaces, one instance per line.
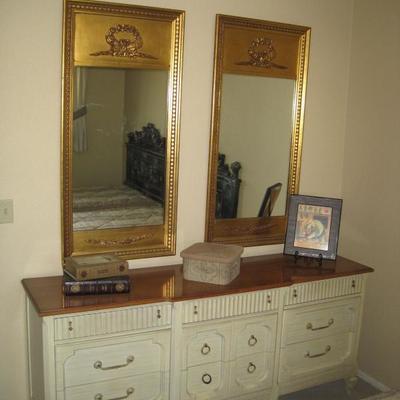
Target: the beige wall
pixel 146 99
pixel 30 102
pixel 371 190
pixel 103 162
pixel 256 127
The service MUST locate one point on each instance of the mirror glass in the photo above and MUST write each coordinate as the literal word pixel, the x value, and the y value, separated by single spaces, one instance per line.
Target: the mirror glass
pixel 111 104
pixel 256 129
pixel 122 68
pixel 260 72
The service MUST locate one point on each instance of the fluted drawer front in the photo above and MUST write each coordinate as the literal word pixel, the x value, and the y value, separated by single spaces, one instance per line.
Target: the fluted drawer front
pixel 208 381
pixel 324 289
pixel 95 361
pixel 230 306
pixel 115 321
pixel 143 387
pixel 304 359
pixel 316 321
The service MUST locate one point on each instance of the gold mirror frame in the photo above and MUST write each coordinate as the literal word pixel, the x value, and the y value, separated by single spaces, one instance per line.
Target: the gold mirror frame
pixel 255 231
pixel 139 241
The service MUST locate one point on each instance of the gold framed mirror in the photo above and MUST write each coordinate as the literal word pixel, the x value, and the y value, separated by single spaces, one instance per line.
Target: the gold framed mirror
pixel 260 72
pixel 122 68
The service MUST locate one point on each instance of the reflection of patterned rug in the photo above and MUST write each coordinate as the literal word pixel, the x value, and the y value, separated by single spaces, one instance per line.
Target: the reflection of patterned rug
pixel 105 208
pixel 392 395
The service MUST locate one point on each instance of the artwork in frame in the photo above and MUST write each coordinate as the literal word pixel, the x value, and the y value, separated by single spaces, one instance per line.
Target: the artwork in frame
pixel 313 227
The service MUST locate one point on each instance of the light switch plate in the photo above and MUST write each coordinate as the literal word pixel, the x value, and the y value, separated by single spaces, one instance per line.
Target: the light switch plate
pixel 6 211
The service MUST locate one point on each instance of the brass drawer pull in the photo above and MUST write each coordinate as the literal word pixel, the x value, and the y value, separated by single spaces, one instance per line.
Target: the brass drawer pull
pixel 206 378
pixel 327 350
pixel 295 293
pixel 205 349
pixel 158 314
pixel 99 365
pixel 251 368
pixel 195 311
pixel 353 284
pixel 252 341
pixel 129 391
pixel 311 328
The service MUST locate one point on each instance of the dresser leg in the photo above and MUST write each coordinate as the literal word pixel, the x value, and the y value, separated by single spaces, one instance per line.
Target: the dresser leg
pixel 351 383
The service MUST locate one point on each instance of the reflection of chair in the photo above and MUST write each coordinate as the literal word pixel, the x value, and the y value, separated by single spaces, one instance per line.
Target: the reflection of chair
pixel 270 198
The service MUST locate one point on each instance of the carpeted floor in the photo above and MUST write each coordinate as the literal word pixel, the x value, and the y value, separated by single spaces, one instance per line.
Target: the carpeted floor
pixel 336 391
pixel 392 395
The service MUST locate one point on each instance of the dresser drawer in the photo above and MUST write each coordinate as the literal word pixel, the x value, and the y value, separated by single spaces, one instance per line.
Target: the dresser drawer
pixel 316 321
pixel 206 344
pixel 230 306
pixel 115 321
pixel 304 359
pixel 324 289
pixel 85 363
pixel 254 335
pixel 143 387
pixel 252 373
pixel 208 381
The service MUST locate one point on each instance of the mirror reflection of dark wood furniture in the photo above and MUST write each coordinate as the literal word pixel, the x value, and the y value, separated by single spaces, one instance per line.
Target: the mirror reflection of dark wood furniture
pixel 228 184
pixel 145 162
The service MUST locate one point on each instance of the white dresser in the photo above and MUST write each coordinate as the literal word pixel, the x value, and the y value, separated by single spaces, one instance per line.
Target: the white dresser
pixel 249 345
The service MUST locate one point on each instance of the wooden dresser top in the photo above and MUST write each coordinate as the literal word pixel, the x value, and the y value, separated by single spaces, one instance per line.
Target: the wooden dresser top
pixel 157 284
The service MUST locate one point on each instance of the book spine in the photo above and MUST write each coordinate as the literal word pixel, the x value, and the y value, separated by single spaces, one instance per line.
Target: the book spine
pixel 80 288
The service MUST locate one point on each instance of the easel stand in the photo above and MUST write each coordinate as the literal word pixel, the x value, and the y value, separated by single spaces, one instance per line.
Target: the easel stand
pixel 310 262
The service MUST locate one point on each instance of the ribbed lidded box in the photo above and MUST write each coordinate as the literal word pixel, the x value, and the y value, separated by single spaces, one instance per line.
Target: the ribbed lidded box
pixel 211 262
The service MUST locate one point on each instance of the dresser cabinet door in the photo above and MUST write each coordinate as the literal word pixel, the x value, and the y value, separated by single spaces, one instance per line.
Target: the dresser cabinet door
pixel 251 373
pixel 206 343
pixel 254 335
pixel 208 381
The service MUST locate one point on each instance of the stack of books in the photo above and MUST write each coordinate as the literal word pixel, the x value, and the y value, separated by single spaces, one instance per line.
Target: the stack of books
pixel 97 274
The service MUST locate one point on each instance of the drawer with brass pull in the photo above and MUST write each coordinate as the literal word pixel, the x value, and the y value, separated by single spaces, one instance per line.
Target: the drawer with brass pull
pixel 252 371
pixel 230 306
pixel 206 344
pixel 143 387
pixel 316 321
pixel 208 381
pixel 311 357
pixel 115 321
pixel 324 289
pixel 254 335
pixel 85 363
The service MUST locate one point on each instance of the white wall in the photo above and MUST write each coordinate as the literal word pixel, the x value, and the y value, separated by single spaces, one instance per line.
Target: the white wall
pixel 371 190
pixel 30 103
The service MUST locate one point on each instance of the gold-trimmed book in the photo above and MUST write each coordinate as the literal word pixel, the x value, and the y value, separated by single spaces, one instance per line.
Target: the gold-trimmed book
pixel 83 268
pixel 119 284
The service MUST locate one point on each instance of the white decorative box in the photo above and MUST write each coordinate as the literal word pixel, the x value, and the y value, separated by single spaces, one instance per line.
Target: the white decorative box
pixel 211 262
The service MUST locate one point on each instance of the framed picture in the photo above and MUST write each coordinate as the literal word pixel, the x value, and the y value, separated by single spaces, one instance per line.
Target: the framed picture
pixel 270 198
pixel 313 226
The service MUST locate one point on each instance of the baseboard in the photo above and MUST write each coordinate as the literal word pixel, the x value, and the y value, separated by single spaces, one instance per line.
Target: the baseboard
pixel 372 381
